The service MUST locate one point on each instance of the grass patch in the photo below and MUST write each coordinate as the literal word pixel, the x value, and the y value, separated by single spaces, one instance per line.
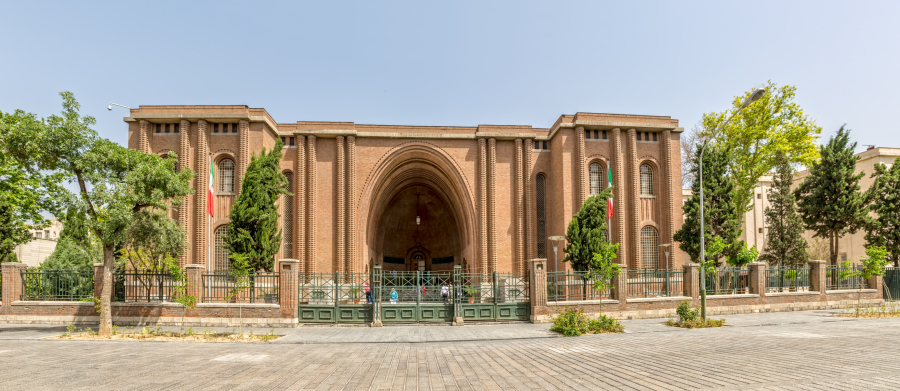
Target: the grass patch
pixel 689 318
pixel 572 322
pixel 156 334
pixel 870 312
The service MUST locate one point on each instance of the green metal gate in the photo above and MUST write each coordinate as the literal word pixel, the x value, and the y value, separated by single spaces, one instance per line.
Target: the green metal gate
pixel 493 296
pixel 334 298
pixel 891 285
pixel 413 297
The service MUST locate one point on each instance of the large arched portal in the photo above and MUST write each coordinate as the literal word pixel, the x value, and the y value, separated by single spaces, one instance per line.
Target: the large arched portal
pixel 418 213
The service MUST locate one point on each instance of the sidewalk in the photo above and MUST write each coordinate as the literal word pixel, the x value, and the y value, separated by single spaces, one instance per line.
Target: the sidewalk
pixel 446 333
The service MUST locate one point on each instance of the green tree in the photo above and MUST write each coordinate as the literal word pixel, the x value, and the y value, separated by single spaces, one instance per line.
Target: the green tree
pixel 753 139
pixel 722 215
pixel 883 198
pixel 587 233
pixel 10 235
pixel 829 200
pixel 77 248
pixel 254 231
pixel 871 266
pixel 115 184
pixel 785 244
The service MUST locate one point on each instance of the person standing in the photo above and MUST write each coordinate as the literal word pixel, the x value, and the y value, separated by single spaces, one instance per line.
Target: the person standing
pixel 369 299
pixel 445 293
pixel 393 296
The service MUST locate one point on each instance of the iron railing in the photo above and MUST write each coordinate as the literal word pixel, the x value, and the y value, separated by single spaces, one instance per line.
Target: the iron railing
pixel 891 283
pixel 57 285
pixel 228 288
pixel 783 279
pixel 573 286
pixel 727 281
pixel 416 287
pixel 646 283
pixel 494 288
pixel 838 277
pixel 144 286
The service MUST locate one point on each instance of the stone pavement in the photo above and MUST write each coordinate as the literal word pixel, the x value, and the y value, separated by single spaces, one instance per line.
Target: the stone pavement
pixel 799 350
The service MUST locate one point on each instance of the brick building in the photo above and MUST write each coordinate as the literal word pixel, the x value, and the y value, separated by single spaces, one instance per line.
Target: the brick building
pixel 425 197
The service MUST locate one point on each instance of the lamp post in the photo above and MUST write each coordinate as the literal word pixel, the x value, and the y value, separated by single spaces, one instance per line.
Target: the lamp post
pixel 556 240
pixel 754 96
pixel 666 246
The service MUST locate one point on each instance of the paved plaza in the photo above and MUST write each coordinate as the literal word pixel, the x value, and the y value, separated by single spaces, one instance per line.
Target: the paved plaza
pixel 780 351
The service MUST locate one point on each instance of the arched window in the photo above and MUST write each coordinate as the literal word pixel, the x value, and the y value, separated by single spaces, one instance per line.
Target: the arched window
pixel 288 220
pixel 596 183
pixel 221 253
pixel 646 180
pixel 541 198
pixel 650 248
pixel 226 176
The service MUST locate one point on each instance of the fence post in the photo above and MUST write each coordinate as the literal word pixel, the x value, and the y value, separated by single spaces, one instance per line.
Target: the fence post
pixel 456 295
pixel 375 286
pixel 691 281
pixel 758 278
pixel 12 283
pixel 98 280
pixel 194 275
pixel 817 281
pixel 876 283
pixel 288 287
pixel 537 284
pixel 620 286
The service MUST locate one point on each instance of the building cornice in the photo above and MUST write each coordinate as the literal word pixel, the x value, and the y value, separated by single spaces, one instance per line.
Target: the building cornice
pixel 206 116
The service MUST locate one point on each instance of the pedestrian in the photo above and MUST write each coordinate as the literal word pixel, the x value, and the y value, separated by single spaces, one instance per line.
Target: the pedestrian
pixel 393 296
pixel 369 299
pixel 445 293
pixel 393 276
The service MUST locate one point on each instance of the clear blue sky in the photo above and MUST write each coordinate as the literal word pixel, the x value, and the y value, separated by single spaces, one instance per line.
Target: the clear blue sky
pixel 457 63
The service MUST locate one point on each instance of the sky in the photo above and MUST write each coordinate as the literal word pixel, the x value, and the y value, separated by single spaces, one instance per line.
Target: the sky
pixel 455 63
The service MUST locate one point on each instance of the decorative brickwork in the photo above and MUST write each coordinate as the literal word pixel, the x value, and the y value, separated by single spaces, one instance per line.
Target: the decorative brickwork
pixel 580 172
pixel 144 137
pixel 341 195
pixel 352 251
pixel 184 161
pixel 520 264
pixel 311 188
pixel 667 168
pixel 492 204
pixel 619 198
pixel 482 206
pixel 300 202
pixel 243 155
pixel 635 199
pixel 201 229
pixel 530 244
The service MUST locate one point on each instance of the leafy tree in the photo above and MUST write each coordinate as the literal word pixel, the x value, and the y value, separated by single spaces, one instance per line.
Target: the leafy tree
pixel 883 198
pixel 115 184
pixel 587 232
pixel 753 139
pixel 829 200
pixel 254 231
pixel 77 247
pixel 744 255
pixel 722 214
pixel 785 245
pixel 871 266
pixel 10 235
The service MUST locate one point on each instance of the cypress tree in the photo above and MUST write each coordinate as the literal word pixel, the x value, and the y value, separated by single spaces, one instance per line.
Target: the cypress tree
pixel 785 245
pixel 884 201
pixel 829 200
pixel 586 234
pixel 254 230
pixel 722 213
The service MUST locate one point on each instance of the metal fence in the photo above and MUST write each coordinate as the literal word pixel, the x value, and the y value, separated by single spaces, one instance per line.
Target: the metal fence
pixel 573 286
pixel 838 277
pixel 654 283
pixel 57 285
pixel 783 279
pixel 496 287
pixel 892 283
pixel 227 288
pixel 727 281
pixel 144 286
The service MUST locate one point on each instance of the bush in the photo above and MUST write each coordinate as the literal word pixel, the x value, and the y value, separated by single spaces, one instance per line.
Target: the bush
pixel 689 318
pixel 572 322
pixel 686 313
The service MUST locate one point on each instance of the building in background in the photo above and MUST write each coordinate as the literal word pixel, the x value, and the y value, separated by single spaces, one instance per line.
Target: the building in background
pixel 40 247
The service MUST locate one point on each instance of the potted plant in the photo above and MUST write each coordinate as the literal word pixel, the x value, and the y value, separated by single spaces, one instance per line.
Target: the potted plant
pixel 470 293
pixel 354 293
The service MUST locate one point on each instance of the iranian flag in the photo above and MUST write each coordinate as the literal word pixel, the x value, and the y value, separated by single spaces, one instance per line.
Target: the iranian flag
pixel 209 189
pixel 609 202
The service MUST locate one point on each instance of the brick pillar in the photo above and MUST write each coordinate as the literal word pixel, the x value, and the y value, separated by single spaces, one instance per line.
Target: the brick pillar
pixel 12 283
pixel 184 161
pixel 144 137
pixel 300 201
pixel 201 228
pixel 619 196
pixel 351 254
pixel 98 280
pixel 311 193
pixel 243 156
pixel 620 286
pixel 194 274
pixel 492 204
pixel 579 167
pixel 876 283
pixel 692 280
pixel 530 246
pixel 758 278
pixel 635 199
pixel 537 288
pixel 521 265
pixel 288 288
pixel 340 212
pixel 817 282
pixel 482 207
pixel 668 166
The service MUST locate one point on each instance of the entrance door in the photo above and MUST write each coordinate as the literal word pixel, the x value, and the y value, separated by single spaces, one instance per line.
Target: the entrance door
pixel 492 296
pixel 414 297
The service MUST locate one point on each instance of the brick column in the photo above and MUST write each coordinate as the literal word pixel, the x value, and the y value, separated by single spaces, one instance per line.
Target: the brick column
pixel 288 288
pixel 194 274
pixel 482 206
pixel 635 199
pixel 184 161
pixel 492 204
pixel 98 280
pixel 817 282
pixel 579 167
pixel 691 281
pixel 537 287
pixel 668 167
pixel 520 265
pixel 144 137
pixel 311 193
pixel 201 228
pixel 876 283
pixel 530 246
pixel 619 196
pixel 758 278
pixel 243 156
pixel 620 286
pixel 12 283
pixel 351 253
pixel 299 191
pixel 340 213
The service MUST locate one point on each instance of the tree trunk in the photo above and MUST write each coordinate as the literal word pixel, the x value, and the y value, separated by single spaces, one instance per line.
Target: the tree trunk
pixel 109 264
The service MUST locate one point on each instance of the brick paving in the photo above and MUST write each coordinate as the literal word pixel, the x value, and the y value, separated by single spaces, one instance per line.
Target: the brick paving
pixel 805 350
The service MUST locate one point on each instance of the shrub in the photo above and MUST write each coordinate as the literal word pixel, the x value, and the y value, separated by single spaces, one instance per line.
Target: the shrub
pixel 572 322
pixel 689 318
pixel 686 313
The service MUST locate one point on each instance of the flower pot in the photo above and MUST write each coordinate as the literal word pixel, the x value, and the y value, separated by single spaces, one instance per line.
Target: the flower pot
pixel 471 300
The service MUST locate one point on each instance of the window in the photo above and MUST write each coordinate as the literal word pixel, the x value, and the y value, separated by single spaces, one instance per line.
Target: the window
pixel 234 128
pixel 221 253
pixel 215 128
pixel 287 142
pixel 288 220
pixel 541 146
pixel 646 180
pixel 650 248
pixel 604 134
pixel 654 137
pixel 177 126
pixel 596 178
pixel 158 128
pixel 760 230
pixel 758 196
pixel 540 198
pixel 39 235
pixel 226 176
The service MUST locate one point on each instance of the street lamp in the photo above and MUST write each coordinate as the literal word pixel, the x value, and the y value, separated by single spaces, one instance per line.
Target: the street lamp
pixel 109 107
pixel 556 240
pixel 666 246
pixel 754 96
